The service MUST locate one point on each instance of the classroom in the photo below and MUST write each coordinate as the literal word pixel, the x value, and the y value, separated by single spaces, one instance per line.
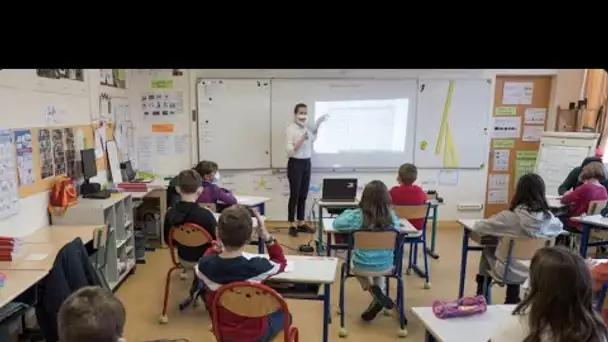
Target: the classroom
pixel 121 137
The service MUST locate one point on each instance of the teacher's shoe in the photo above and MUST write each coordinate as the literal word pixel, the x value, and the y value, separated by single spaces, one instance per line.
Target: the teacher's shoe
pixel 304 228
pixel 293 231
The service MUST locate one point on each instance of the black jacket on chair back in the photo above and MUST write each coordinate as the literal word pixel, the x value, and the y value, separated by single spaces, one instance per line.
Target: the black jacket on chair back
pixel 71 271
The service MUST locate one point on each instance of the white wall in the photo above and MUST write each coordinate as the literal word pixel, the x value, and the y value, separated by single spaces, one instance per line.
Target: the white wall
pixel 23 99
pixel 471 185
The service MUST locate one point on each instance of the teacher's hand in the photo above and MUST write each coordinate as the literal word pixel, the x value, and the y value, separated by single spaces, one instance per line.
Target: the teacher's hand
pixel 304 137
pixel 322 119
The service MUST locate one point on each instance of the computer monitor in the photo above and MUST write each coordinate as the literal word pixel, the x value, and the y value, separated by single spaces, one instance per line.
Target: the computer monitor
pixel 89 167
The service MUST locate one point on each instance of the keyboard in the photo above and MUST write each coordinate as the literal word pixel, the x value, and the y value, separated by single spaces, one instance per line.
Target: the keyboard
pixel 103 194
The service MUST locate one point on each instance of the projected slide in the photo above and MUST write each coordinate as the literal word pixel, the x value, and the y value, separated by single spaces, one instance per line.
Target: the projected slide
pixel 362 126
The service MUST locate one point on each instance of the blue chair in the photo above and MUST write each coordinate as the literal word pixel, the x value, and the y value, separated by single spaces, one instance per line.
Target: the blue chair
pixel 375 240
pixel 511 250
pixel 414 212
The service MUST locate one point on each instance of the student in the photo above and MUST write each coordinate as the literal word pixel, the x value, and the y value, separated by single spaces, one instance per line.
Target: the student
pixel 572 181
pixel 559 306
pixel 91 314
pixel 591 177
pixel 374 213
pixel 212 193
pixel 188 211
pixel 527 217
pixel 229 263
pixel 406 193
pixel 599 276
pixel 172 195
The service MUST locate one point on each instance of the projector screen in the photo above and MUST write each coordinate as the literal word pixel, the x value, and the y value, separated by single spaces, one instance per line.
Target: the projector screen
pixel 370 125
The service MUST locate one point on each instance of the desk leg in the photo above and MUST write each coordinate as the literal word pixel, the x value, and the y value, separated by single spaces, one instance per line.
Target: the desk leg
pixel 326 313
pixel 431 252
pixel 260 245
pixel 428 337
pixel 463 261
pixel 328 247
pixel 319 245
pixel 585 240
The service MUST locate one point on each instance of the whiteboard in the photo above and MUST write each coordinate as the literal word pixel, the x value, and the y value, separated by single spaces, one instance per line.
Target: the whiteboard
pixel 451 123
pixel 234 122
pixel 559 153
pixel 325 93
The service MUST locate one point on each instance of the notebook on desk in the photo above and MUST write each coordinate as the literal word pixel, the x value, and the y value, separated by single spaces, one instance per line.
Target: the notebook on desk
pixel 290 264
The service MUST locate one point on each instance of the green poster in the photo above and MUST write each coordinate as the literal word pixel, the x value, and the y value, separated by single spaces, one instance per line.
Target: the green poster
pixel 527 155
pixel 525 162
pixel 505 111
pixel 162 84
pixel 502 144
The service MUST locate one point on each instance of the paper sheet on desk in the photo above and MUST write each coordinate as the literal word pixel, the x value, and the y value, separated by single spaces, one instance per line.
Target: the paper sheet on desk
pixel 36 257
pixel 290 264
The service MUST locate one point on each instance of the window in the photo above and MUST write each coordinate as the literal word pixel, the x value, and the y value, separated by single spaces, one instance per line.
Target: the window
pixel 366 126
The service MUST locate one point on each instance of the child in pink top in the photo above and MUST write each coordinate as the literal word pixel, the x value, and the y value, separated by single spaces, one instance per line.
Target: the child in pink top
pixel 592 176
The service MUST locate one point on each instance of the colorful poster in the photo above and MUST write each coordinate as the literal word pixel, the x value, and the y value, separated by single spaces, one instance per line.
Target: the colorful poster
pixel 70 152
pixel 9 190
pixel 25 156
pixel 501 160
pixel 59 157
pixel 46 153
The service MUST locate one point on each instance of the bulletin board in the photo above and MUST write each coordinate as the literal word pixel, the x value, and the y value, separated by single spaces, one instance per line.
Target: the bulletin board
pixel 40 185
pixel 519 116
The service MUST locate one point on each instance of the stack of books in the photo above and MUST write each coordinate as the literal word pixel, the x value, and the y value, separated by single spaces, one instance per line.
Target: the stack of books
pixel 9 248
pixel 133 187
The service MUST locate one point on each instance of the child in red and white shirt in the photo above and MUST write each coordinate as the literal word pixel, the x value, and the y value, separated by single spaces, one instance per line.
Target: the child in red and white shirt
pixel 406 193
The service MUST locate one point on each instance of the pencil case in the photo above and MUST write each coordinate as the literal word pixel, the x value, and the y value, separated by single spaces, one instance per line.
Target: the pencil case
pixel 463 307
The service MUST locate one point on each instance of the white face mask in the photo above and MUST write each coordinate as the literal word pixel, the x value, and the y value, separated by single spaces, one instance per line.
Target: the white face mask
pixel 217 177
pixel 301 118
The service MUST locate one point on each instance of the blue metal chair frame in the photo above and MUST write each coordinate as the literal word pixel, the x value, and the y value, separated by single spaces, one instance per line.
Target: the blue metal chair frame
pixel 345 273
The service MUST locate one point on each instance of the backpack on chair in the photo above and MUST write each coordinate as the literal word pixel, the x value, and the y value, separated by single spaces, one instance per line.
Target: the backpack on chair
pixel 63 195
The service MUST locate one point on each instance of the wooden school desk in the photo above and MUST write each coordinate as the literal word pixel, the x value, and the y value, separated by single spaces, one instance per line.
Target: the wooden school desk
pixel 466 230
pixel 433 210
pixel 319 245
pixel 33 256
pixel 478 328
pixel 62 234
pixel 158 189
pixel 312 270
pixel 253 202
pixel 17 282
pixel 590 222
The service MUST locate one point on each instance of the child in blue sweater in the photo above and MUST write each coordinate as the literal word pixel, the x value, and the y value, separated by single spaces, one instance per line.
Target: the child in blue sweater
pixel 374 213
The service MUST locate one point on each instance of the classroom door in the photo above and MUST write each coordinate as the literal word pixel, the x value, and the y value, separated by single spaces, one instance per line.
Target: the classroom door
pixel 519 116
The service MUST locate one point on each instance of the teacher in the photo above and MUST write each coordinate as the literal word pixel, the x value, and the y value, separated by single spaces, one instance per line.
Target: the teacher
pixel 299 137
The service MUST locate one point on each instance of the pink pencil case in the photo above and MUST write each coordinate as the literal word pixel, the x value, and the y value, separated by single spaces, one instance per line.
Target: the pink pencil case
pixel 463 307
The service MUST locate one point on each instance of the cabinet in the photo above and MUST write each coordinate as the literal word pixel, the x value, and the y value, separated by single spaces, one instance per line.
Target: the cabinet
pixel 116 214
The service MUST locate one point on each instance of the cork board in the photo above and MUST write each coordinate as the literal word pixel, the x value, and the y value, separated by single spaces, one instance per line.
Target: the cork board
pixel 517 150
pixel 41 185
